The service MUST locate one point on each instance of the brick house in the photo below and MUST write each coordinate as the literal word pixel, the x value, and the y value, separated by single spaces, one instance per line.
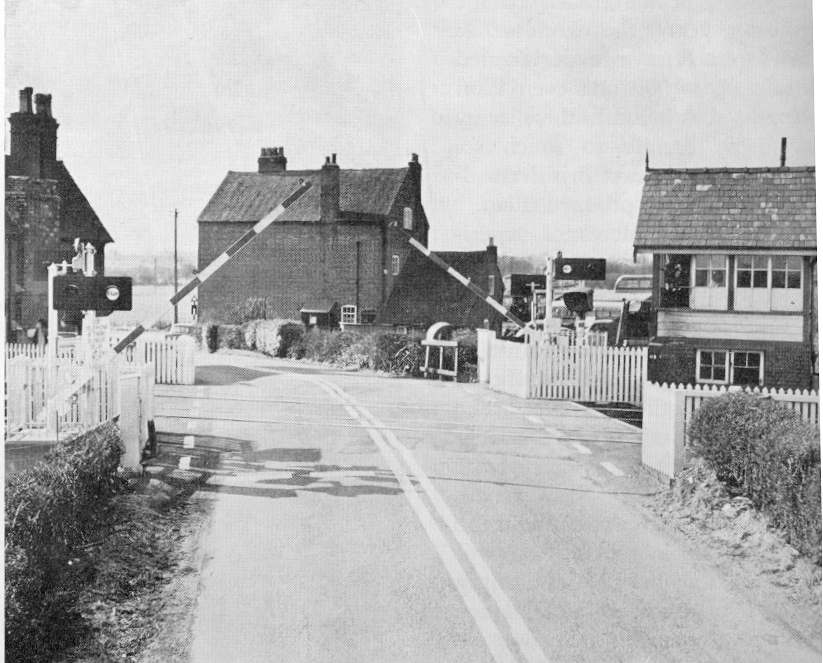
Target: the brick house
pixel 734 296
pixel 45 212
pixel 425 294
pixel 337 255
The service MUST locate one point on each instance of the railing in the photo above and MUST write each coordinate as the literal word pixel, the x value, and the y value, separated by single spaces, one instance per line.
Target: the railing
pixel 669 408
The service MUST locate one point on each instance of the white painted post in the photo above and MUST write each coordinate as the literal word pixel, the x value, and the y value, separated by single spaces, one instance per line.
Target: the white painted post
pixel 663 441
pixel 130 421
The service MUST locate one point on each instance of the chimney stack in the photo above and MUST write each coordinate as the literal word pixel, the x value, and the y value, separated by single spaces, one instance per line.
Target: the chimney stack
pixel 271 160
pixel 783 152
pixel 415 172
pixel 33 137
pixel 330 190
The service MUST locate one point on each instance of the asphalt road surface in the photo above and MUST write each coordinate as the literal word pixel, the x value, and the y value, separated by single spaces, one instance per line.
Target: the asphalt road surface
pixel 363 518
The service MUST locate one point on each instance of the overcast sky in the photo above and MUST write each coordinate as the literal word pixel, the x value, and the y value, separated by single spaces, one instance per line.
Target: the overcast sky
pixel 531 119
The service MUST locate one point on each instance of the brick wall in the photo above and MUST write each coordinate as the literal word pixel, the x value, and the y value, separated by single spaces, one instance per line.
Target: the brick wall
pixel 33 227
pixel 293 265
pixel 785 365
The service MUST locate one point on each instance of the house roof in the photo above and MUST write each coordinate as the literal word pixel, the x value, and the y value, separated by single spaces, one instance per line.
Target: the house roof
pixel 424 294
pixel 730 208
pixel 74 205
pixel 75 208
pixel 250 196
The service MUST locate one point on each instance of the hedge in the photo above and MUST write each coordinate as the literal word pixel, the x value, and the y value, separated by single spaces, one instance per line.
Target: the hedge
pixel 375 350
pixel 50 509
pixel 766 452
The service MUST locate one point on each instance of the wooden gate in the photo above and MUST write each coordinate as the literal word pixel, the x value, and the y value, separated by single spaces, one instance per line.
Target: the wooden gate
pixel 588 373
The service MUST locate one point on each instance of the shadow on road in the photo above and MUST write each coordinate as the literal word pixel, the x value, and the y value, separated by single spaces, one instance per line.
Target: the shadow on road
pixel 226 375
pixel 231 466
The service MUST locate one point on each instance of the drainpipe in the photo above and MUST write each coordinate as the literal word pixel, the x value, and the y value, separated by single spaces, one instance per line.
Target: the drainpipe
pixel 357 280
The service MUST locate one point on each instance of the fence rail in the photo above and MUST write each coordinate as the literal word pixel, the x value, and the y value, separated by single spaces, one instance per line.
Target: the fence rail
pixel 668 409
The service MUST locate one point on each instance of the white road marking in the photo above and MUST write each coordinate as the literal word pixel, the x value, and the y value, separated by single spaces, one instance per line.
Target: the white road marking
pixel 188 441
pixel 520 631
pixel 609 467
pixel 485 623
pixel 582 448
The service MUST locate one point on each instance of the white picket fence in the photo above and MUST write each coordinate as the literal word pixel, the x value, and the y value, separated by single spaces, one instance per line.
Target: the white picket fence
pixel 30 394
pixel 562 372
pixel 171 356
pixel 668 410
pixel 34 350
pixel 588 373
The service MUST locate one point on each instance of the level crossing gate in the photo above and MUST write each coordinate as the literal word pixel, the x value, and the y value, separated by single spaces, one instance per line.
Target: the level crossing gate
pixel 587 373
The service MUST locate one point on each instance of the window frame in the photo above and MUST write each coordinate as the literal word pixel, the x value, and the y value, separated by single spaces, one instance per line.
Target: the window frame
pixel 395 264
pixel 698 365
pixel 348 310
pixel 770 295
pixel 699 293
pixel 728 366
pixel 408 218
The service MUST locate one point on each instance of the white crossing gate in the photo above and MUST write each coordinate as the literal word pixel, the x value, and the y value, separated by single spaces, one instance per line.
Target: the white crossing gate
pixel 595 373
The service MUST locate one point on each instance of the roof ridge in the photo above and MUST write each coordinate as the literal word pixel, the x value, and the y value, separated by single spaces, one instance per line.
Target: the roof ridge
pixel 742 169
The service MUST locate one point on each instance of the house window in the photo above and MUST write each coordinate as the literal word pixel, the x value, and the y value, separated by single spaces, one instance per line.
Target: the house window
pixel 709 284
pixel 722 367
pixel 368 316
pixel 711 366
pixel 348 314
pixel 408 218
pixel 491 284
pixel 768 283
pixel 395 265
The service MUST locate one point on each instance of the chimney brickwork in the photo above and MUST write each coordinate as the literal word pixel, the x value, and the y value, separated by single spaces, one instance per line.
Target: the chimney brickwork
pixel 33 137
pixel 330 190
pixel 271 160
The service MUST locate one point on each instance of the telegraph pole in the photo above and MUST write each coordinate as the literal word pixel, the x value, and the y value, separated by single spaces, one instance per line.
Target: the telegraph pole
pixel 175 262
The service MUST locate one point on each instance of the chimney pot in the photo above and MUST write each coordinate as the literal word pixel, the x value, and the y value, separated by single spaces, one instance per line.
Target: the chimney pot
pixel 491 241
pixel 334 158
pixel 414 157
pixel 783 152
pixel 42 104
pixel 25 99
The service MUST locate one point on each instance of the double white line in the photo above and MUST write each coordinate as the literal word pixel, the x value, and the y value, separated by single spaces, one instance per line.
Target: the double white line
pixel 391 447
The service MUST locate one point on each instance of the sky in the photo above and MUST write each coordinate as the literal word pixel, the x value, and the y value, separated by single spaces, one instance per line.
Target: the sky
pixel 531 119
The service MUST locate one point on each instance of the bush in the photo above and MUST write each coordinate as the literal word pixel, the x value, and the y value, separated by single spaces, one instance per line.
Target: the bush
pixel 230 337
pixel 50 509
pixel 210 337
pixel 765 451
pixel 253 308
pixel 275 337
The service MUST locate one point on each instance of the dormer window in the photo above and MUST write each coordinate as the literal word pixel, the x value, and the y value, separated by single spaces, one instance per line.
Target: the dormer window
pixel 408 218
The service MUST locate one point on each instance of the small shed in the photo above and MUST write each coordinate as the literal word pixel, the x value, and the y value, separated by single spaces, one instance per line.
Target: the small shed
pixel 320 314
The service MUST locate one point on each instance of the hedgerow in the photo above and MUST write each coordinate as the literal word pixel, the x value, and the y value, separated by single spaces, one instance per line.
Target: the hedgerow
pixel 766 452
pixel 50 509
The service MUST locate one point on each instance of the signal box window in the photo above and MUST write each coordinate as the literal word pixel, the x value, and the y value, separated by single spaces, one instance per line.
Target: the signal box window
pixel 711 366
pixel 746 368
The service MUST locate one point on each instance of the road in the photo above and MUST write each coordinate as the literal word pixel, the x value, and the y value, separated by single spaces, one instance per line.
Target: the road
pixel 363 518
